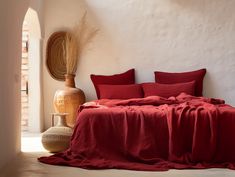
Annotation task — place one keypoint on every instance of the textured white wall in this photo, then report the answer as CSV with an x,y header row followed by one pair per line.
x,y
168,35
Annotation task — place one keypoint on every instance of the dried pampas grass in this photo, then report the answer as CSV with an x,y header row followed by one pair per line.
x,y
75,42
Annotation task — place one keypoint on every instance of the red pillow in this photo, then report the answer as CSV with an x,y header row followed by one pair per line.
x,y
168,90
120,91
127,77
172,78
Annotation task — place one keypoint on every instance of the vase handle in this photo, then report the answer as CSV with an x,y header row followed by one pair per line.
x,y
53,115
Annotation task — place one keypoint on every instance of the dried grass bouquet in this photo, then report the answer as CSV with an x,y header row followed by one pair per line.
x,y
75,42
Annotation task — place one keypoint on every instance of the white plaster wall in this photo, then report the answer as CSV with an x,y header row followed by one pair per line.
x,y
34,85
168,35
12,13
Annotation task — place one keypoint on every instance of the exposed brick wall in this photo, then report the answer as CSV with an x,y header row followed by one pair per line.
x,y
24,79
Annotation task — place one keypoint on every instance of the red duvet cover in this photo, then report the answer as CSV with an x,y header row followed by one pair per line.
x,y
152,133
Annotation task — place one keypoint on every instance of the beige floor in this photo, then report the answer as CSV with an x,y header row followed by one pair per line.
x,y
26,165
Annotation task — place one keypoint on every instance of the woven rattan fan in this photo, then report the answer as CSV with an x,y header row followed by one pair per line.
x,y
55,61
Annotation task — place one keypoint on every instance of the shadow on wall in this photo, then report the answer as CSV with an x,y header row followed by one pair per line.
x,y
209,84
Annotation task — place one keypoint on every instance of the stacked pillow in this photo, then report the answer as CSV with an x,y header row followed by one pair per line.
x,y
173,78
168,90
122,86
118,86
121,91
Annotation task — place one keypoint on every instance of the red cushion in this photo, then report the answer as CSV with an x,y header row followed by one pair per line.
x,y
168,90
127,77
172,78
120,91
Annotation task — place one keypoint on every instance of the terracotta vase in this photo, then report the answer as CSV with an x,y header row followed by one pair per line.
x,y
57,138
69,99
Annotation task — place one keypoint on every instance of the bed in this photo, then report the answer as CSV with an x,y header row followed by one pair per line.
x,y
151,126
152,133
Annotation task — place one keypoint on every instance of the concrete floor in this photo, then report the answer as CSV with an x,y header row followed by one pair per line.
x,y
26,165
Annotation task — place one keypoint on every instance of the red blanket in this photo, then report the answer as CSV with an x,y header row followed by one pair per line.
x,y
152,133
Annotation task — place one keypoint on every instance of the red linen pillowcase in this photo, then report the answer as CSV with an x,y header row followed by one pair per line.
x,y
168,90
172,78
120,91
127,77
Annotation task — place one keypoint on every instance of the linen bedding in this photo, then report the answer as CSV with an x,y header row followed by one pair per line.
x,y
152,133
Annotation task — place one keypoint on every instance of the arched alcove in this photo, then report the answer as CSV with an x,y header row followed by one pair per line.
x,y
34,71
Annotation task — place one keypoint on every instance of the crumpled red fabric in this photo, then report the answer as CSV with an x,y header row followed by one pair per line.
x,y
152,133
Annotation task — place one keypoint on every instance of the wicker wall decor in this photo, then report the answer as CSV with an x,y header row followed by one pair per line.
x,y
55,60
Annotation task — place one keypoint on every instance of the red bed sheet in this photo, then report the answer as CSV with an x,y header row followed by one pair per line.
x,y
152,133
